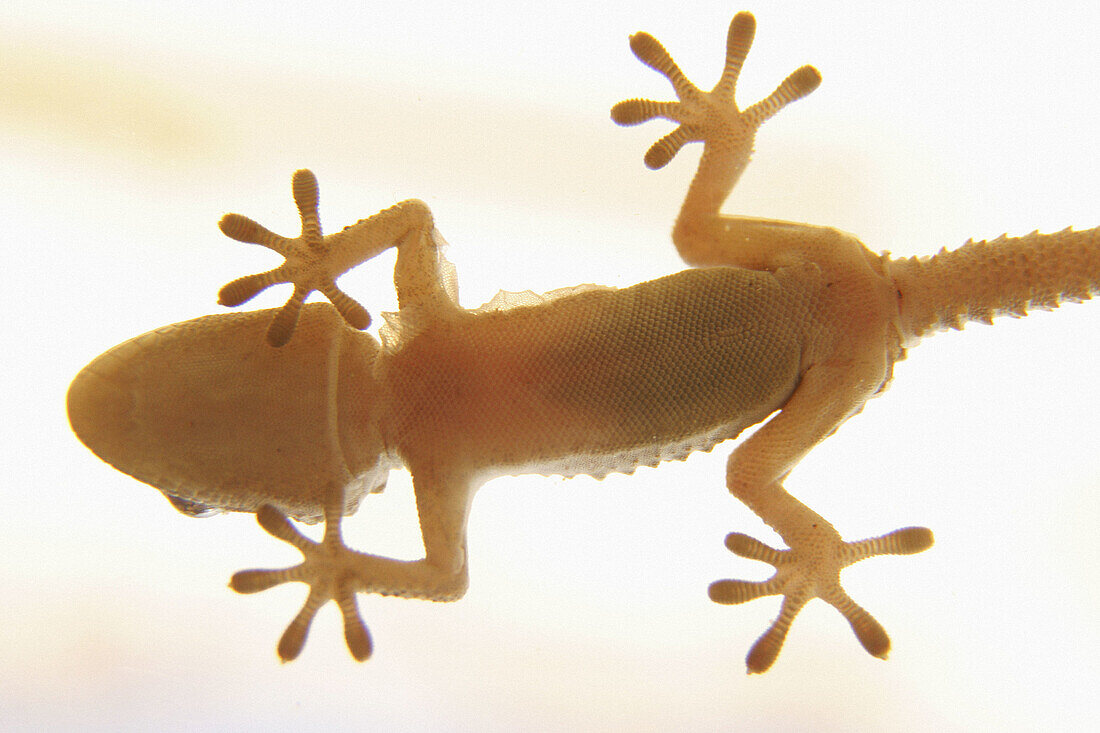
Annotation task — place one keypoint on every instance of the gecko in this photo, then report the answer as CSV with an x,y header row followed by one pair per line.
x,y
297,413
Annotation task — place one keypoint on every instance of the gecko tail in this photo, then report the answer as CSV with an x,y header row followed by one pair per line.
x,y
1006,276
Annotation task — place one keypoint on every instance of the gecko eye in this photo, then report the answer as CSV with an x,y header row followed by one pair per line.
x,y
192,508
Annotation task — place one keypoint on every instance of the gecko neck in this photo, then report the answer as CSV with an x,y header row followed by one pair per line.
x,y
1007,276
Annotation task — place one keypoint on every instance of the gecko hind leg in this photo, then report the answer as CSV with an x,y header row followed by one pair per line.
x,y
702,236
799,579
712,117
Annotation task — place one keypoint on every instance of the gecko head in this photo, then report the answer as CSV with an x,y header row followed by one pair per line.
x,y
215,418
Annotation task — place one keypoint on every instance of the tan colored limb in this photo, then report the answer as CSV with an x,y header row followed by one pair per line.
x,y
714,119
314,261
811,567
321,570
799,579
335,572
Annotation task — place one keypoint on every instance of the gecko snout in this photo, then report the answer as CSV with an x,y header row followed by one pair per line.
x,y
100,405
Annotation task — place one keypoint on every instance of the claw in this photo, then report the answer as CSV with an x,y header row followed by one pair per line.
x,y
356,633
283,324
797,85
636,111
355,314
654,55
245,230
738,42
733,592
294,638
255,581
904,541
753,549
276,524
248,287
869,632
303,186
764,652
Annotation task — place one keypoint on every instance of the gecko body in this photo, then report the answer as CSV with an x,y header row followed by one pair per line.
x,y
603,380
794,324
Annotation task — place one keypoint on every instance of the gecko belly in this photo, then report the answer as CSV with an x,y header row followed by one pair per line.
x,y
600,381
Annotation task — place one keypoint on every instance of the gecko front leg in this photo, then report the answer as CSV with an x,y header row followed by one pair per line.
x,y
323,569
426,292
335,572
314,261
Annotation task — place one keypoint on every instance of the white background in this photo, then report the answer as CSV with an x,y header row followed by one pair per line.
x,y
130,128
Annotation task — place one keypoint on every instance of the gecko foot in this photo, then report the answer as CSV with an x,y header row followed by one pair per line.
x,y
812,572
313,262
325,570
711,117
